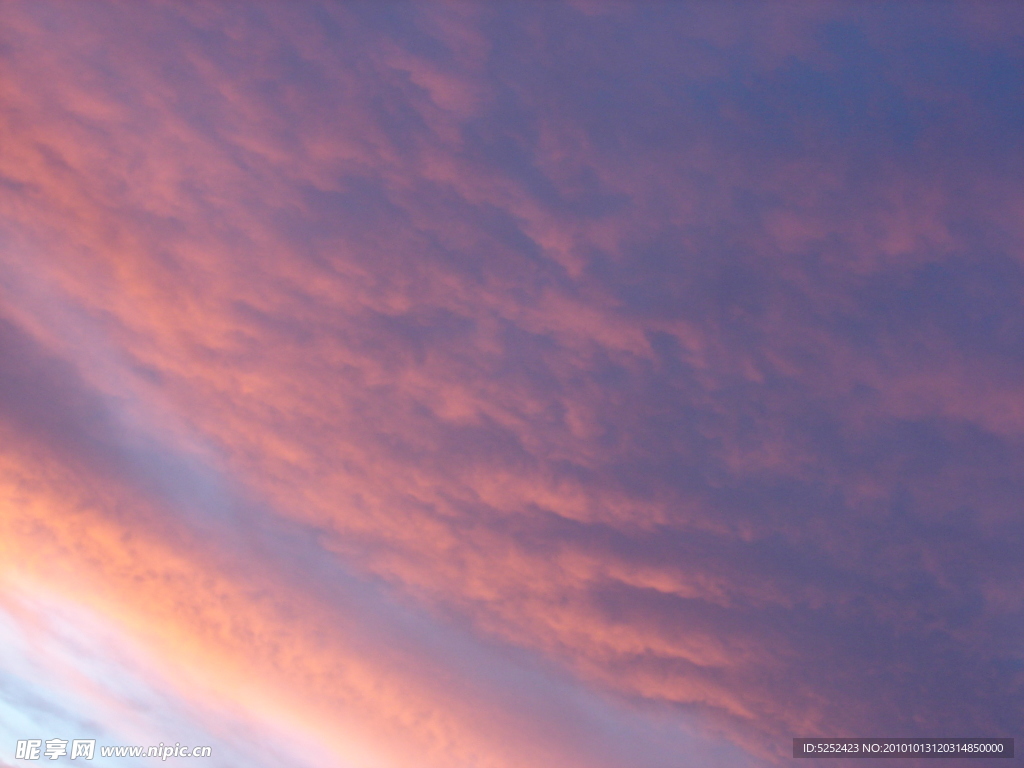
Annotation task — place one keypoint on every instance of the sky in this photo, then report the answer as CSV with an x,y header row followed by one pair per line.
x,y
512,384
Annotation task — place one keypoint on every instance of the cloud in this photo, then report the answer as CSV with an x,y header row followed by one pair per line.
x,y
98,528
459,371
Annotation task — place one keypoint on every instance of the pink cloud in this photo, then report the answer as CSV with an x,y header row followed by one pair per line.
x,y
671,350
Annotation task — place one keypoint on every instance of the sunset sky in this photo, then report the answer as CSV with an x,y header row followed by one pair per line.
x,y
518,384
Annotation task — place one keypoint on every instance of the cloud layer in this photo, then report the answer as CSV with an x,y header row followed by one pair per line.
x,y
581,384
